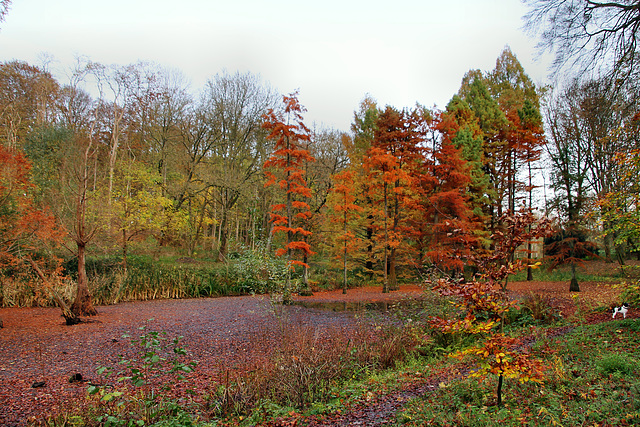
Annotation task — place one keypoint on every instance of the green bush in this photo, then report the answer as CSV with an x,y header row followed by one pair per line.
x,y
616,364
533,309
255,271
137,398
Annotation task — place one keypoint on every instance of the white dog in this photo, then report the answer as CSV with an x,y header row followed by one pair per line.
x,y
622,309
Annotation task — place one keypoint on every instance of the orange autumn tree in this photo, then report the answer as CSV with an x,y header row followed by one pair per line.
x,y
344,210
27,232
390,164
285,168
528,135
484,301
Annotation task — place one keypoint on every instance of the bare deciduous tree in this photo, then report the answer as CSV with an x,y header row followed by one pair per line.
x,y
4,9
234,106
587,34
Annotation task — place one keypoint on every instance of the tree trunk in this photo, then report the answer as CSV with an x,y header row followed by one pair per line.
x,y
269,237
529,243
621,253
306,289
574,286
608,242
344,256
82,305
223,237
385,285
69,317
124,251
369,262
286,298
393,277
499,391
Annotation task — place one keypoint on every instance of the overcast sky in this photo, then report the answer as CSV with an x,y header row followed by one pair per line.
x,y
334,51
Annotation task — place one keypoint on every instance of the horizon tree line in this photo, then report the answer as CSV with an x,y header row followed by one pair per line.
x,y
148,165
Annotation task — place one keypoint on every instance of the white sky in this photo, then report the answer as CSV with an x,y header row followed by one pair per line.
x,y
334,51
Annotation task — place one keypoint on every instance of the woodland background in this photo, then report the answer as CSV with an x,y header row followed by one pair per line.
x,y
126,165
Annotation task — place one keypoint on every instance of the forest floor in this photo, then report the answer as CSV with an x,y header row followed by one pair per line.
x,y
221,334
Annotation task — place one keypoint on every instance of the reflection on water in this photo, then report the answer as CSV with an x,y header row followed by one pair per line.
x,y
348,306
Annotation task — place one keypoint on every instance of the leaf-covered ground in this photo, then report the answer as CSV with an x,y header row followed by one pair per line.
x,y
221,334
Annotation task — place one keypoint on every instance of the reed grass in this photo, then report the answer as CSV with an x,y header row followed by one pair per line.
x,y
250,272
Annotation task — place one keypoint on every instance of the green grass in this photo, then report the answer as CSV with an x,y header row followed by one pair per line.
x,y
563,274
592,379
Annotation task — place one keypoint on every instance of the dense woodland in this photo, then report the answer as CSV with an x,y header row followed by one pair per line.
x,y
120,161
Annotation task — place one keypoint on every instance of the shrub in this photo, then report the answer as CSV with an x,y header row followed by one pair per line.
x,y
616,364
135,395
630,293
533,309
255,271
304,365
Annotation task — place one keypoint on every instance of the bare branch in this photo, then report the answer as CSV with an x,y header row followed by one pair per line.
x,y
587,36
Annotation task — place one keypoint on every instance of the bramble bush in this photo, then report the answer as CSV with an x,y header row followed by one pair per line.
x,y
136,398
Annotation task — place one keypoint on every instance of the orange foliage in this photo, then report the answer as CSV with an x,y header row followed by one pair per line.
x,y
449,235
391,165
24,227
286,168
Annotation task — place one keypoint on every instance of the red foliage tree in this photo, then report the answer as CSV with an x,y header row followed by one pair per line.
x,y
447,219
285,168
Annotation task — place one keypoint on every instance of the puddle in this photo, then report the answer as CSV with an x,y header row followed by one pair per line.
x,y
348,306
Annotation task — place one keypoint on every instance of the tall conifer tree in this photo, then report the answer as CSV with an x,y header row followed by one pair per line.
x,y
285,168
